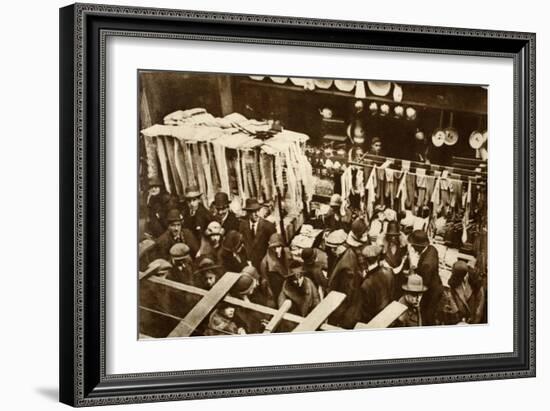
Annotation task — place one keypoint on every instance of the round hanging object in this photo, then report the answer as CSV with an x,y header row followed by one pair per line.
x,y
411,113
257,78
438,138
298,81
398,111
323,83
476,140
373,107
384,109
279,80
397,93
379,88
451,136
344,85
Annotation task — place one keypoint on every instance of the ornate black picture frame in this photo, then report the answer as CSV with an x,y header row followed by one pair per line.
x,y
83,31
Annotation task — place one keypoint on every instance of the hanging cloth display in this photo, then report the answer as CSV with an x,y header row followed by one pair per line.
x,y
161,152
370,189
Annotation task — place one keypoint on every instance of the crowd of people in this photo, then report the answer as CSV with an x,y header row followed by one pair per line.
x,y
372,261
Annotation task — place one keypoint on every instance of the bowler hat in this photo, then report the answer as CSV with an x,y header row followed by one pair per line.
x,y
221,200
419,238
232,241
244,285
415,284
393,228
173,215
308,255
207,264
358,235
295,267
192,192
252,204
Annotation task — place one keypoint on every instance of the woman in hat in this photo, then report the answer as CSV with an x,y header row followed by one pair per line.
x,y
223,321
299,289
207,273
414,291
315,268
467,294
211,240
158,204
274,266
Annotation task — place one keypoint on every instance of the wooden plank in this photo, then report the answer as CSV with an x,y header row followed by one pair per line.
x,y
385,317
276,319
235,301
320,313
199,312
144,336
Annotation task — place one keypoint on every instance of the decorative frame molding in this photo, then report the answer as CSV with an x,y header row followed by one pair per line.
x,y
83,32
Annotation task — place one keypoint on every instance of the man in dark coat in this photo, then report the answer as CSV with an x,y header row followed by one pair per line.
x,y
427,267
315,268
300,290
232,254
195,216
224,215
182,267
256,232
175,234
347,277
274,266
158,203
378,286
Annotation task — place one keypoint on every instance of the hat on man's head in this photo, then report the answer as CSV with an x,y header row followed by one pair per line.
x,y
335,200
358,235
371,251
460,268
221,200
415,284
419,238
275,241
336,238
393,228
232,241
308,255
173,215
252,204
244,285
295,267
213,228
192,192
160,266
207,264
179,251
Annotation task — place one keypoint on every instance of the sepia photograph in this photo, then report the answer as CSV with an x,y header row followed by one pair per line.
x,y
275,204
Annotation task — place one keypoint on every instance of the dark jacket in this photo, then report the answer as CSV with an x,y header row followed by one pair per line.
x,y
197,222
231,222
315,273
166,241
376,292
428,269
230,262
304,298
273,270
346,278
256,245
183,275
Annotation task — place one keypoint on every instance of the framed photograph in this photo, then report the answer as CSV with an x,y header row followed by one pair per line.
x,y
261,204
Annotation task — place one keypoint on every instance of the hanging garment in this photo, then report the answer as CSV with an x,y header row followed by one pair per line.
x,y
210,192
180,164
151,157
421,187
467,205
436,197
430,184
161,152
402,191
411,190
223,167
380,189
213,167
191,176
370,189
389,192
456,196
444,184
170,150
243,195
